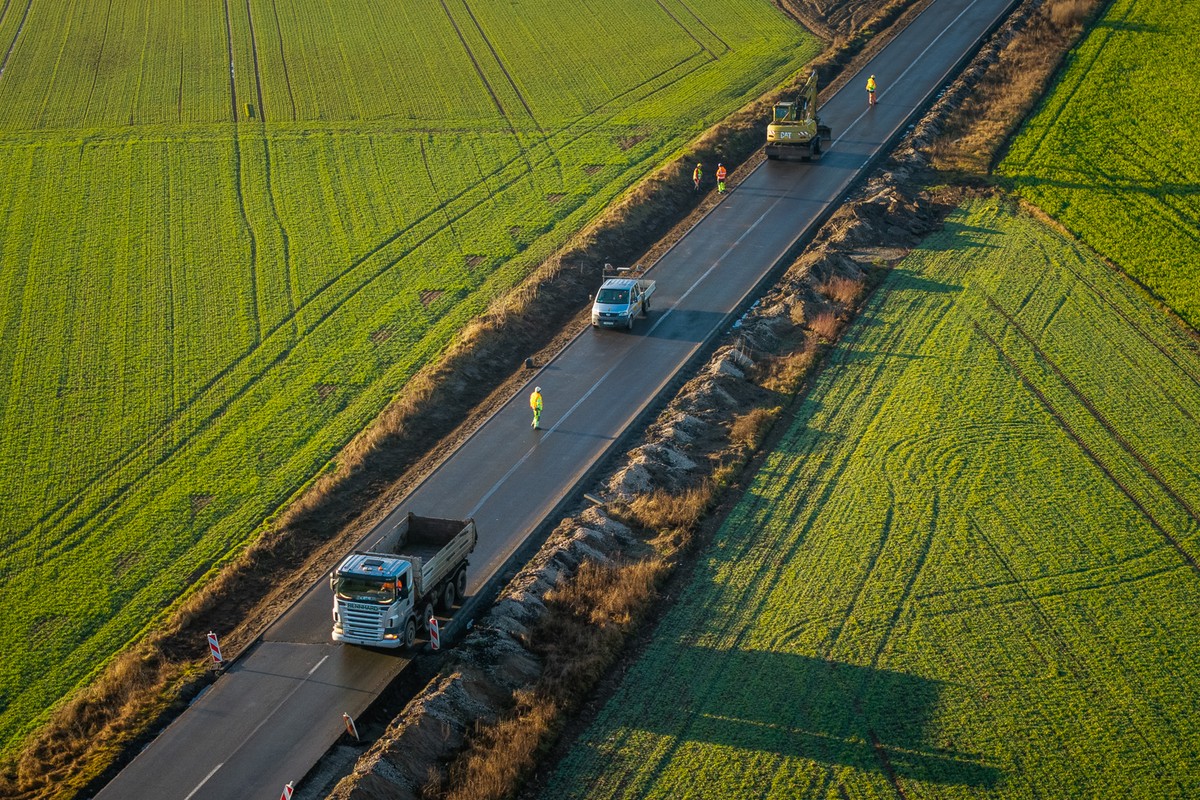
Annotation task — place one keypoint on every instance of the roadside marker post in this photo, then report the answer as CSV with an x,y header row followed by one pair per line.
x,y
287,791
351,728
434,638
214,647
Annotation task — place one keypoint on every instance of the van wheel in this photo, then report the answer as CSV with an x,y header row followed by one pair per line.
x,y
646,309
630,323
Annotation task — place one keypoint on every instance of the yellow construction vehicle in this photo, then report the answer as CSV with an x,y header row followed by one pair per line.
x,y
796,131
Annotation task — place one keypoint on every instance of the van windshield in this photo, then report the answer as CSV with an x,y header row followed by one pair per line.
x,y
360,589
613,297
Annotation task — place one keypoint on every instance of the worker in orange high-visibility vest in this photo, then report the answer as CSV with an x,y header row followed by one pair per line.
x,y
721,173
535,402
871,90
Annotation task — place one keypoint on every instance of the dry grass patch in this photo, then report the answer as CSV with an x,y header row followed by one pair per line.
x,y
825,325
784,374
842,289
661,510
749,429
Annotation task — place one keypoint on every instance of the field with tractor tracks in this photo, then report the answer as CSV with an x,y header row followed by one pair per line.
x,y
967,569
1113,151
230,232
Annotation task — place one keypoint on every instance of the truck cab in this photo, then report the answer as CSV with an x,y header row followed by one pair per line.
x,y
373,601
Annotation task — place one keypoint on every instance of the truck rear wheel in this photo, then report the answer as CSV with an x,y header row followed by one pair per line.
x,y
448,596
460,583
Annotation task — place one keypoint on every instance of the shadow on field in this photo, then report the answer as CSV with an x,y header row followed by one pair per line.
x,y
965,236
829,712
906,280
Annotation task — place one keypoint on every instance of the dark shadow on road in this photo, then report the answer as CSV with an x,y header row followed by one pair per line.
x,y
684,326
826,711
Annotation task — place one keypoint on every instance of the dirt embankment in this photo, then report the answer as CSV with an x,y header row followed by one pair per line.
x,y
476,731
94,733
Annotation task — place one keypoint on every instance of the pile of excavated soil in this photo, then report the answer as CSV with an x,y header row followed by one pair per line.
x,y
890,214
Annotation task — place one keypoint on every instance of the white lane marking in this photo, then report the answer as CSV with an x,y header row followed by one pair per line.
x,y
318,665
201,783
912,64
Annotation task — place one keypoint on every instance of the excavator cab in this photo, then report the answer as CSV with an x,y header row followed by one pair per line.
x,y
791,111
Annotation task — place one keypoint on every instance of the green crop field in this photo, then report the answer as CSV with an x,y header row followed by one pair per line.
x,y
1114,150
969,568
230,232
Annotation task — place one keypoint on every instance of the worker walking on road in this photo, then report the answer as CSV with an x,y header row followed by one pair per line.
x,y
535,402
871,90
721,178
696,177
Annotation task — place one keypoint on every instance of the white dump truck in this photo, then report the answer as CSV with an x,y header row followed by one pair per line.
x,y
383,596
620,300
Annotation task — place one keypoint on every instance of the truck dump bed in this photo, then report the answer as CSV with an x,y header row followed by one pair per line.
x,y
435,547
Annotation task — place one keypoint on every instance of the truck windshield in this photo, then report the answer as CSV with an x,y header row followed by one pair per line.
x,y
358,589
613,297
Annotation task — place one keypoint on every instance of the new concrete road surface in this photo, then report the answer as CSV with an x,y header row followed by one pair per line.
x,y
279,708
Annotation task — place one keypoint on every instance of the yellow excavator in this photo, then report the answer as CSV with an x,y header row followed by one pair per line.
x,y
796,131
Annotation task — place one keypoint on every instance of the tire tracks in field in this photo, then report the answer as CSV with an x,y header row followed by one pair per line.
x,y
1096,414
238,179
1184,367
1087,451
287,77
516,90
488,86
16,34
1080,673
703,47
703,24
290,278
99,58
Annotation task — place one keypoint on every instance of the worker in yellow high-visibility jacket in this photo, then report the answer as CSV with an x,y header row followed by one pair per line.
x,y
696,177
721,173
535,402
871,90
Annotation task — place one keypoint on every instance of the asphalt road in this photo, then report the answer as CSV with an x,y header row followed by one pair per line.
x,y
278,709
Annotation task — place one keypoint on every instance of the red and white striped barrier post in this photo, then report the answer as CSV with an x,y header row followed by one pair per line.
x,y
351,728
434,639
287,791
214,648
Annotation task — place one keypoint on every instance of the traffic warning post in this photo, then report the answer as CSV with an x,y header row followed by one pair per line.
x,y
351,728
287,791
214,647
434,638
